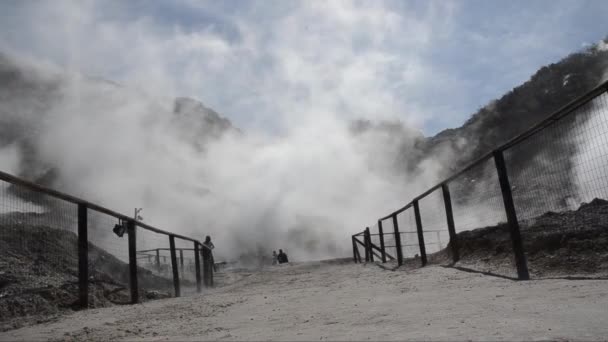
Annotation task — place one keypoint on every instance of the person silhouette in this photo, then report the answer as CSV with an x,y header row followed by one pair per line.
x,y
282,257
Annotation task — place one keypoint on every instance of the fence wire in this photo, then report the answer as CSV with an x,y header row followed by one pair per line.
x,y
38,252
409,236
433,218
155,280
108,257
555,174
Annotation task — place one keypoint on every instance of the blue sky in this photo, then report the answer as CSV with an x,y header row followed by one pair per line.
x,y
266,64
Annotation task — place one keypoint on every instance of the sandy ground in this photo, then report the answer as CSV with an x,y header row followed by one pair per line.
x,y
333,301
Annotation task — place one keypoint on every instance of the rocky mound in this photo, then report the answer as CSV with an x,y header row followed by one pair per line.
x,y
39,273
569,243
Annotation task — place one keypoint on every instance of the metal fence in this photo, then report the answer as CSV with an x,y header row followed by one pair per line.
x,y
49,239
525,194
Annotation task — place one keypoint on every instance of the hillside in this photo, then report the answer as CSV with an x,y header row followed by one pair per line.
x,y
548,89
39,272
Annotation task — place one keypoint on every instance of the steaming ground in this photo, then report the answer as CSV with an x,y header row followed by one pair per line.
x,y
340,300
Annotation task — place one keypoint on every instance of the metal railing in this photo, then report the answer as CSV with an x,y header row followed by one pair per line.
x,y
483,185
82,230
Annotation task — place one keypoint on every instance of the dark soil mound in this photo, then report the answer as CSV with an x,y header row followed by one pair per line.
x,y
569,243
39,273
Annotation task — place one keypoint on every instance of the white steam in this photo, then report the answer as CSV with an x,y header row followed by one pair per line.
x,y
304,182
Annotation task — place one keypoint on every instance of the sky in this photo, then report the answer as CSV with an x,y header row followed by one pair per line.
x,y
266,64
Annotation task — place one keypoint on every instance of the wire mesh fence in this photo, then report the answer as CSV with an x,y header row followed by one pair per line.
x,y
539,197
554,172
480,218
38,250
433,219
108,261
154,258
408,234
58,251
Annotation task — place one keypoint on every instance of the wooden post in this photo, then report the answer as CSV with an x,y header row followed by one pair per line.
x,y
397,240
382,248
368,244
131,231
354,249
197,266
507,197
447,201
174,266
83,257
357,243
420,233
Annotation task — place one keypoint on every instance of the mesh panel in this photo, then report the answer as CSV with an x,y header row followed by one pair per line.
x,y
552,173
389,238
433,217
477,202
38,251
186,265
476,198
108,259
409,236
155,274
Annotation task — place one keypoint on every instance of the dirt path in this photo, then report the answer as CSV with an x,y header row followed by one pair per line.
x,y
319,301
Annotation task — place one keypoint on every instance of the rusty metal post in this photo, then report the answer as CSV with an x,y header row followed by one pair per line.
x,y
507,197
131,232
368,244
420,233
354,249
397,240
83,257
382,248
174,266
447,201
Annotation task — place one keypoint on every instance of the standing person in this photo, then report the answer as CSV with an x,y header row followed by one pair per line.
x,y
208,261
282,257
275,258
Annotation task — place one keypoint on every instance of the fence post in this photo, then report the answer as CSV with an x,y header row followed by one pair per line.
x,y
83,257
447,201
420,233
354,248
368,244
131,232
397,240
382,248
197,266
365,246
507,197
174,266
